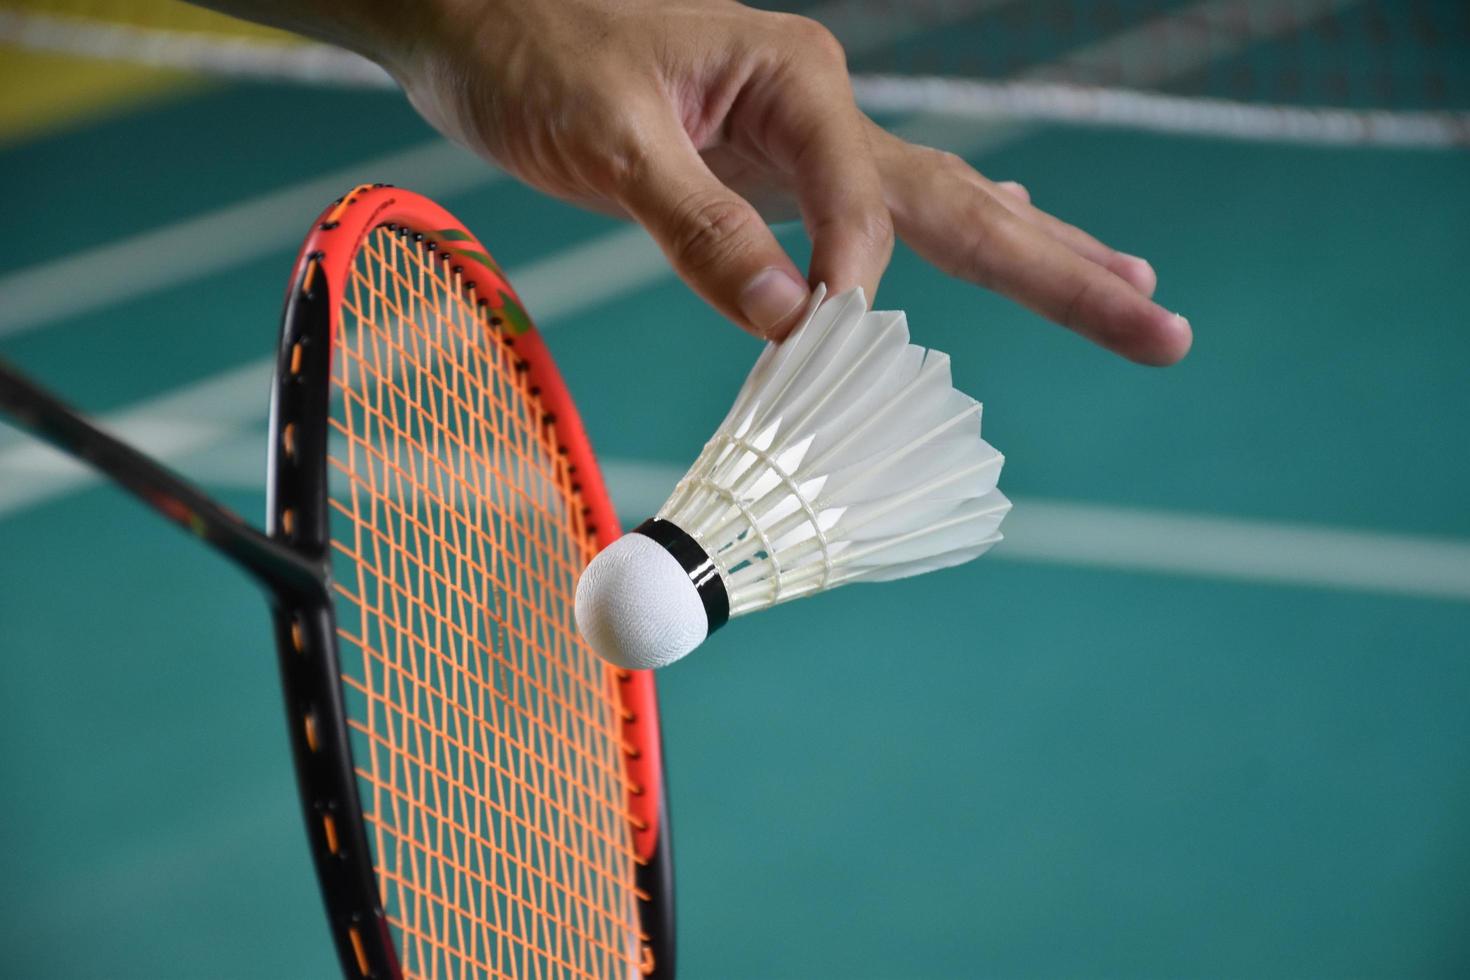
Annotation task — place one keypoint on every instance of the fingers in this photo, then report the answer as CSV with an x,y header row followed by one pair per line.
x,y
714,239
1130,268
977,236
809,123
1016,190
991,235
1000,251
842,205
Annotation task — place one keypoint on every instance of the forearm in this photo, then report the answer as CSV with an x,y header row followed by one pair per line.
x,y
383,30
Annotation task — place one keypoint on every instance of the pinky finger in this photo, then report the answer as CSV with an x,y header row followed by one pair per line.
x,y
1002,252
1015,189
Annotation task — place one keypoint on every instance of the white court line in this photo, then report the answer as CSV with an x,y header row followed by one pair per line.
x,y
1070,533
1094,535
32,472
1091,535
212,410
227,238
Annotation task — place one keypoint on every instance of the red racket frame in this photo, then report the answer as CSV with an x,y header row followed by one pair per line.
x,y
297,516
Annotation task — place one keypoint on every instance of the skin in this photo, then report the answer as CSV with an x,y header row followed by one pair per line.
x,y
703,120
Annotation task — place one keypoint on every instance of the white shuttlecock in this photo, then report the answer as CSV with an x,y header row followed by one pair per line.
x,y
848,456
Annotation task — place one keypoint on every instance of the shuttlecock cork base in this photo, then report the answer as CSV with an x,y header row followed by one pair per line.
x,y
848,456
650,597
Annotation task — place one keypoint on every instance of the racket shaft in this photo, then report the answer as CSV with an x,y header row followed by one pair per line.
x,y
48,418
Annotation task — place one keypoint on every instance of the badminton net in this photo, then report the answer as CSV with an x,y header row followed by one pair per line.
x,y
1369,72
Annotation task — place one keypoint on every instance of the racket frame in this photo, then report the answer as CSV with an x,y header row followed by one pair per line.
x,y
292,560
305,620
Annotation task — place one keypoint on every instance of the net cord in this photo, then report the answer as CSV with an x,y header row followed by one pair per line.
x,y
963,98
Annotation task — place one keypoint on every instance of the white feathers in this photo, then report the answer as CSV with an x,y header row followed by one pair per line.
x,y
848,456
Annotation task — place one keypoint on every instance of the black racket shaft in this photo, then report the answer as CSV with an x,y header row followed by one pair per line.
x,y
49,418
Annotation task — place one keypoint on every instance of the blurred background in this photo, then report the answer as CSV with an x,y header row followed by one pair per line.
x,y
1202,714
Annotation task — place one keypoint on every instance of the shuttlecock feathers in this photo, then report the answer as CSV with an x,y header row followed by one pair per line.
x,y
847,456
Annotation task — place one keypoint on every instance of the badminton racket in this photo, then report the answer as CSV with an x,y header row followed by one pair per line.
x,y
483,796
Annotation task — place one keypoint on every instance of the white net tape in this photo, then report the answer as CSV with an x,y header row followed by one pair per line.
x,y
1017,101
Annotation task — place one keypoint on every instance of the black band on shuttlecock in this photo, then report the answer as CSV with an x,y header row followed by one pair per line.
x,y
692,558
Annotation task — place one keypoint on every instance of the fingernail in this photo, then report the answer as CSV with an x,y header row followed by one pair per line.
x,y
1142,277
770,297
1184,336
1016,188
1166,344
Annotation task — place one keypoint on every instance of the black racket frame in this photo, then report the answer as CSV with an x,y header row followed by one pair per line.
x,y
292,563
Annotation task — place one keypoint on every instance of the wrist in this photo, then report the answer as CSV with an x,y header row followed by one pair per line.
x,y
391,33
388,32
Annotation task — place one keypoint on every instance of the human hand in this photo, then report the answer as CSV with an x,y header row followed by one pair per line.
x,y
704,119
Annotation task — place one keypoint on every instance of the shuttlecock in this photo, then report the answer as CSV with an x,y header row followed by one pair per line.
x,y
848,456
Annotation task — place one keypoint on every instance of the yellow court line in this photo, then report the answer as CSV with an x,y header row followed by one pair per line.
x,y
42,93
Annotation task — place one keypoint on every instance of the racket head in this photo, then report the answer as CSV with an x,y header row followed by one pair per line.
x,y
481,792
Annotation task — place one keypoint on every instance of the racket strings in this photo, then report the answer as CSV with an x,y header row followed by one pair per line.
x,y
406,482
517,823
459,590
466,716
487,736
490,402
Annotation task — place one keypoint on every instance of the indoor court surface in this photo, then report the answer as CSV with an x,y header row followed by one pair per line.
x,y
1203,713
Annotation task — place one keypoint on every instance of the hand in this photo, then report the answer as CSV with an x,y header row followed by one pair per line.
x,y
704,119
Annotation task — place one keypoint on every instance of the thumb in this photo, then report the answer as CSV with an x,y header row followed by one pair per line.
x,y
716,241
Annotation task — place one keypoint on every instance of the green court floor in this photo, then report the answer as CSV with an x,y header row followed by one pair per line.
x,y
1203,714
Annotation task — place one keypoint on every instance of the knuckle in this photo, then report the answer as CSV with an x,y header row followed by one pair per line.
x,y
880,227
1077,304
944,162
970,262
871,230
620,171
709,229
973,263
990,236
816,41
1018,188
620,162
874,230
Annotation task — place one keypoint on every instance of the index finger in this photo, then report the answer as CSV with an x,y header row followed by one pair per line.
x,y
813,126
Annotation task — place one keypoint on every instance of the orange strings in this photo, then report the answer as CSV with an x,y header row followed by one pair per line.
x,y
487,736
